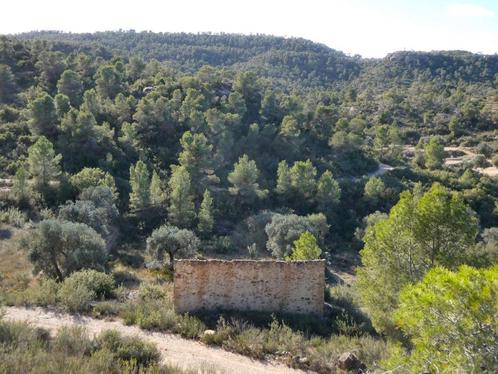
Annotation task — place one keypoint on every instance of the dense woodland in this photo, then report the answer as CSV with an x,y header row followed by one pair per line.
x,y
258,146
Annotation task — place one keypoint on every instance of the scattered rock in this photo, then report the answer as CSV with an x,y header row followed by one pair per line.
x,y
209,332
350,363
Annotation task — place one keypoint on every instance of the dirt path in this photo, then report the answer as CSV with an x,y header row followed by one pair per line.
x,y
186,354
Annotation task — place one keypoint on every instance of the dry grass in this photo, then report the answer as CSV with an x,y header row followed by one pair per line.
x,y
15,268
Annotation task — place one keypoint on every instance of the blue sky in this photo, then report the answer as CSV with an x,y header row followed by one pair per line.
x,y
366,27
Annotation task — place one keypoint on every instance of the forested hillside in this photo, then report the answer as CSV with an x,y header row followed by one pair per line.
x,y
178,145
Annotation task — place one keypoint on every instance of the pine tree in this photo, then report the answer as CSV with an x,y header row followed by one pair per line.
x,y
305,248
140,186
206,218
181,211
43,163
20,187
157,195
244,179
303,175
196,157
328,191
283,178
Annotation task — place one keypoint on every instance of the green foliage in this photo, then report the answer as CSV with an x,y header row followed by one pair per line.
x,y
140,186
14,217
60,248
197,159
206,214
43,163
181,205
244,180
101,284
42,116
93,177
174,241
75,297
434,154
284,230
328,192
8,85
127,348
375,190
420,232
20,186
70,85
305,248
157,195
95,208
29,349
303,178
450,318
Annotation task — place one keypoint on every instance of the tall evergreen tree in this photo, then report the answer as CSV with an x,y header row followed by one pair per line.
x,y
206,216
181,211
42,116
157,195
20,186
284,183
70,85
140,186
328,191
43,163
244,180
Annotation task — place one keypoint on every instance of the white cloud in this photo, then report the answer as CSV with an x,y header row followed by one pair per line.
x,y
469,10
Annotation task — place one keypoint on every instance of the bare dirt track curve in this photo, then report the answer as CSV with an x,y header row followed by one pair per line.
x,y
183,353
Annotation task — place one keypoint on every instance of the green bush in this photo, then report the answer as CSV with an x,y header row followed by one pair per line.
x,y
190,326
101,284
14,217
18,335
152,310
106,309
24,349
148,292
249,342
72,341
281,338
74,296
127,348
44,293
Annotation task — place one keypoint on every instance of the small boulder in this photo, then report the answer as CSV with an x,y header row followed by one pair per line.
x,y
209,333
348,362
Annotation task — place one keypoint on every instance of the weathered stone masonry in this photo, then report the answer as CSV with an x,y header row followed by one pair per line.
x,y
266,285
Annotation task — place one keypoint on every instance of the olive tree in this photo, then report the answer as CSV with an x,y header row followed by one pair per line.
x,y
59,248
174,241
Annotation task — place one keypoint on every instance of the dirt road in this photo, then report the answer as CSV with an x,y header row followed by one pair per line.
x,y
186,354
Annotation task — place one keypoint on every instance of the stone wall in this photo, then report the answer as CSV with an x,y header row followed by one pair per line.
x,y
249,285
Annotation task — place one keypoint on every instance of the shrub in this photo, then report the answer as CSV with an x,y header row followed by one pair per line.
x,y
281,338
44,293
101,284
72,341
324,354
190,326
128,348
17,335
14,217
106,309
495,160
249,342
153,309
74,296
